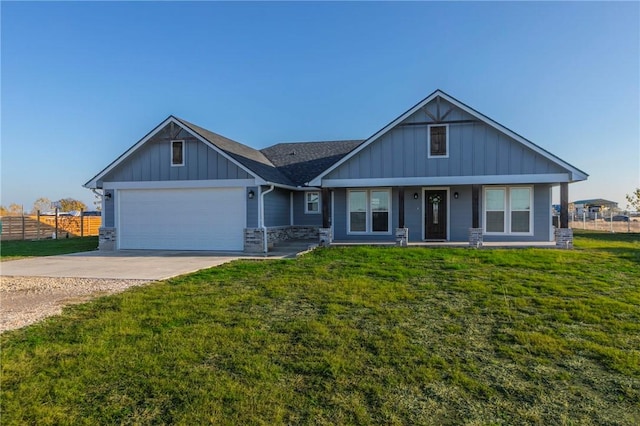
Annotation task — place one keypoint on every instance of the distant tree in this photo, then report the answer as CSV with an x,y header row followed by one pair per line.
x,y
43,204
3,211
634,199
69,204
15,209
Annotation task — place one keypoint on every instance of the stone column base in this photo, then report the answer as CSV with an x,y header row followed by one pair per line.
x,y
253,240
475,237
564,238
402,237
107,239
325,237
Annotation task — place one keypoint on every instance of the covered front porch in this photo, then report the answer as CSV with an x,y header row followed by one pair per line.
x,y
453,215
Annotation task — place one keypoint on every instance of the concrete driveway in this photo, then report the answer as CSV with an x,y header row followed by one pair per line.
x,y
123,264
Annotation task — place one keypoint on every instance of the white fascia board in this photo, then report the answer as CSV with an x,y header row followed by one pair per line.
x,y
579,174
179,184
446,180
317,181
218,150
292,188
171,119
94,181
576,174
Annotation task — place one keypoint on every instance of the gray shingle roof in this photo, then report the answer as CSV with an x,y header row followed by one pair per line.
x,y
249,157
292,163
302,161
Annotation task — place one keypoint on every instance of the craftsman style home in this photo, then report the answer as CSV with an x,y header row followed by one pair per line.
x,y
441,171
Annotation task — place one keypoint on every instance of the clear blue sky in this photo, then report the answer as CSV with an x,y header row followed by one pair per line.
x,y
83,81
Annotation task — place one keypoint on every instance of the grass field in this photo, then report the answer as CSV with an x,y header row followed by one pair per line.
x,y
11,250
355,335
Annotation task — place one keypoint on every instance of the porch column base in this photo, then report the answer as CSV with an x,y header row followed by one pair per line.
x,y
107,239
564,238
475,237
402,237
253,240
325,237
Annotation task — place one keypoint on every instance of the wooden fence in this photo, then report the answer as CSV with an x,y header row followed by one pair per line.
x,y
30,228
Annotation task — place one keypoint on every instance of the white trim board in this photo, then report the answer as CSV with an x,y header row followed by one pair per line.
x,y
447,180
92,183
173,184
574,174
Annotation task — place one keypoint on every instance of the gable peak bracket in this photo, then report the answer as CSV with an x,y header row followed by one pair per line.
x,y
439,117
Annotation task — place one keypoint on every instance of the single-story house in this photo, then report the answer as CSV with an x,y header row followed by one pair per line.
x,y
441,171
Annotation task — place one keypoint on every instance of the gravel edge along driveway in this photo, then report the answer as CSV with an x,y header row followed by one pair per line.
x,y
26,300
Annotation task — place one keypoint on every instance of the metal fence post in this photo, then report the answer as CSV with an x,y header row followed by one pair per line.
x,y
38,225
56,223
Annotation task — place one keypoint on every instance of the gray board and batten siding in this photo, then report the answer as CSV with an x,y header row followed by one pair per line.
x,y
475,149
459,216
277,211
299,215
152,162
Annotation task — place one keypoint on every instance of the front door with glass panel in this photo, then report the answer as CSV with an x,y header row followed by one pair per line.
x,y
435,204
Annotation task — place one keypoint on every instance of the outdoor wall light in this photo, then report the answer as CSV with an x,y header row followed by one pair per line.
x,y
107,195
455,195
415,195
251,194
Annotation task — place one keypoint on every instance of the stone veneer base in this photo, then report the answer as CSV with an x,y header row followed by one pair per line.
x,y
476,238
107,239
254,237
564,238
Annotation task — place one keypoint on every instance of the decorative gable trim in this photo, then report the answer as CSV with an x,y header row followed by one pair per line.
x,y
575,174
93,183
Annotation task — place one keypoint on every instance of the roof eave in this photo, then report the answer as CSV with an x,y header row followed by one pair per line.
x,y
573,171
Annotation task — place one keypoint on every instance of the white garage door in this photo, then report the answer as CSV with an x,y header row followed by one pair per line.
x,y
181,219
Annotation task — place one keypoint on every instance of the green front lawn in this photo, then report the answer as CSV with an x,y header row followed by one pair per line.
x,y
355,335
11,250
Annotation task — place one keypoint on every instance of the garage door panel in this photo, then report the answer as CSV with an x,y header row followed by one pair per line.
x,y
181,219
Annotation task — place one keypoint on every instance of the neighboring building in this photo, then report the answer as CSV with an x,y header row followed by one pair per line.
x,y
441,171
593,208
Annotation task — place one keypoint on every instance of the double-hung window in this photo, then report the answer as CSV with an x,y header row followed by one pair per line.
x,y
312,202
507,210
369,211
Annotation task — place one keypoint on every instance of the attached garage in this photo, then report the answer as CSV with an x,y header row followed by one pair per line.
x,y
181,219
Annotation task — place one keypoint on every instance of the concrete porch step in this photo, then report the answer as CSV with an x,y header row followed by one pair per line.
x,y
287,247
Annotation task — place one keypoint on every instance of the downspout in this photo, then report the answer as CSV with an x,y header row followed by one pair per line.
x,y
101,204
263,226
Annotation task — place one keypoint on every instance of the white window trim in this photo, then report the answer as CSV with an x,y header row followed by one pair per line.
x,y
507,210
171,152
368,221
306,202
446,126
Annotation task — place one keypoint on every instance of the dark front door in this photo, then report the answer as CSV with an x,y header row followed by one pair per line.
x,y
435,217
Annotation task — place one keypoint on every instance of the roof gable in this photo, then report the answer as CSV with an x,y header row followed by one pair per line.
x,y
439,107
248,159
